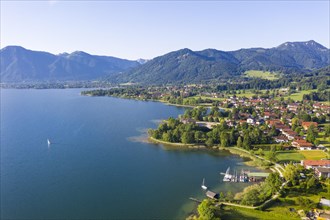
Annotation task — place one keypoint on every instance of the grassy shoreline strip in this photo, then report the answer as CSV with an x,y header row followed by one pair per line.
x,y
154,140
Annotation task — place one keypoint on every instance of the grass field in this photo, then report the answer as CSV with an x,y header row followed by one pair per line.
x,y
298,96
247,94
242,213
313,154
261,74
286,156
297,156
323,140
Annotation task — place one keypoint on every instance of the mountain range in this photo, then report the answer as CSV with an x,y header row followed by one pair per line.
x,y
185,65
21,65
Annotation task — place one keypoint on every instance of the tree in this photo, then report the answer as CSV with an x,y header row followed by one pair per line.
x,y
311,134
172,123
221,196
209,142
306,117
274,182
232,137
246,142
327,131
295,123
207,211
239,142
271,155
198,136
167,136
229,196
187,137
291,173
251,197
224,139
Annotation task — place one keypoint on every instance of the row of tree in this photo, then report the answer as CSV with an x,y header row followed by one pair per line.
x,y
244,136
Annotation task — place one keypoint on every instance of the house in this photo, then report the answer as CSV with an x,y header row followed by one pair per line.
x,y
281,139
321,147
268,115
188,120
293,107
307,124
315,163
273,122
260,122
250,121
323,171
212,195
289,133
302,144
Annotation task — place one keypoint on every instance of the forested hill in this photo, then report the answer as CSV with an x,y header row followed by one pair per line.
x,y
197,66
19,64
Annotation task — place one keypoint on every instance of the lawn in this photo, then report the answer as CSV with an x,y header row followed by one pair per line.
x,y
261,74
298,96
230,212
297,156
313,154
323,139
247,94
287,156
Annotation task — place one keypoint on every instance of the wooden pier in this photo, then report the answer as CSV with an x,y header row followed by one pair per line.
x,y
195,200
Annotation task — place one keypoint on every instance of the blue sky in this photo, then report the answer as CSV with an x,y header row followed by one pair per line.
x,y
146,29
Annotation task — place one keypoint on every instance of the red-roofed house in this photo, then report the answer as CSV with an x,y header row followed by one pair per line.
x,y
302,144
307,124
315,163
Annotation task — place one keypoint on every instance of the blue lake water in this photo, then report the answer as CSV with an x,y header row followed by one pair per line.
x,y
94,168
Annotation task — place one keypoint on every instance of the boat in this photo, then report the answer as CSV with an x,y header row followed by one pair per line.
x,y
203,185
228,176
48,142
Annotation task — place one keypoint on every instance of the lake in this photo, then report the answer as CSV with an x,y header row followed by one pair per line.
x,y
95,168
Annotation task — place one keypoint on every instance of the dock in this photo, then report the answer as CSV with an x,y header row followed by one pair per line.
x,y
243,176
195,200
258,174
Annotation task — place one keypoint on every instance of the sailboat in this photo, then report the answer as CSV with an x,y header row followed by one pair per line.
x,y
203,185
227,176
48,142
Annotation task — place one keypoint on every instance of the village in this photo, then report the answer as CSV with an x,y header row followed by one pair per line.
x,y
286,135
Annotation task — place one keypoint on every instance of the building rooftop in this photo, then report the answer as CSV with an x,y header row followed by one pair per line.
x,y
316,162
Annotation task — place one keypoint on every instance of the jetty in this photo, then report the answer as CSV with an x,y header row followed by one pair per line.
x,y
195,200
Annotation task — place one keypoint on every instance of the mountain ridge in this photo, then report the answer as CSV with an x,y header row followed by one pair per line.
x,y
19,64
182,66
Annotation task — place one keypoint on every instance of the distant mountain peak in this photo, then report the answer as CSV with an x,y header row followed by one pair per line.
x,y
79,53
142,61
308,44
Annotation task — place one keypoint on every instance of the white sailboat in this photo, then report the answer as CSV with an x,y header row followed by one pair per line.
x,y
227,176
203,185
48,142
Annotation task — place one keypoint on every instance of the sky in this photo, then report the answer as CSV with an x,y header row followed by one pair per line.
x,y
146,29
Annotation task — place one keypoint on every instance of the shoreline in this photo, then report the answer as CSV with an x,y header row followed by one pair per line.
x,y
156,100
253,160
191,146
